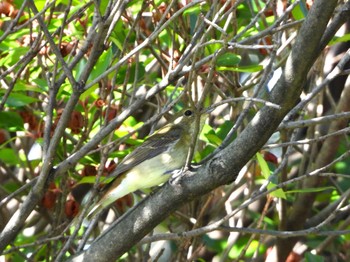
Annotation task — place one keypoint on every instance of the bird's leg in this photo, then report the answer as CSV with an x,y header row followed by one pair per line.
x,y
177,175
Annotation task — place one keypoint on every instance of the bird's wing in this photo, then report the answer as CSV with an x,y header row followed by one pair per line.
x,y
153,146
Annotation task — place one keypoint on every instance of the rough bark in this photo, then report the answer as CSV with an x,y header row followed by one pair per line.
x,y
224,167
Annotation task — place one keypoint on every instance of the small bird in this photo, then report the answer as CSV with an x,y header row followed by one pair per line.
x,y
153,162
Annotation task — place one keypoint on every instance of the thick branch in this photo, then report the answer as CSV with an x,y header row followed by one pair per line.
x,y
224,167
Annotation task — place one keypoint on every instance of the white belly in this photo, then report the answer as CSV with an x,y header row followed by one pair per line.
x,y
150,173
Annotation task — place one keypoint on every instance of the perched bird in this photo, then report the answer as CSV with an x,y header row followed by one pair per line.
x,y
152,163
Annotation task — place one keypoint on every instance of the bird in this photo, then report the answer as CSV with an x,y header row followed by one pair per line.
x,y
154,161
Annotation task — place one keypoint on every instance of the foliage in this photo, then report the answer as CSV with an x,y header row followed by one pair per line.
x,y
85,82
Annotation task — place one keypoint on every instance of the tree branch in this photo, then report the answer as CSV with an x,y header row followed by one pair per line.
x,y
224,167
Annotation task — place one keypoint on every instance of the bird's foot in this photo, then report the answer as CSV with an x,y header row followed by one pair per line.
x,y
177,175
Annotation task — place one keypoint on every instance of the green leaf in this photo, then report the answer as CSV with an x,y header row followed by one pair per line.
x,y
134,142
342,167
40,4
197,9
11,120
119,35
200,155
90,94
341,39
132,122
309,257
212,48
8,156
310,190
13,55
10,187
228,60
92,180
120,153
213,139
278,192
206,129
18,100
79,68
102,64
224,129
87,180
241,244
242,69
22,86
265,170
103,6
131,70
135,6
300,11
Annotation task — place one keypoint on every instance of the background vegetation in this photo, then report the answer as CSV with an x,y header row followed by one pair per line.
x,y
84,82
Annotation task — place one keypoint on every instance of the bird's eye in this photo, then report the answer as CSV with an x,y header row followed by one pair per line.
x,y
188,113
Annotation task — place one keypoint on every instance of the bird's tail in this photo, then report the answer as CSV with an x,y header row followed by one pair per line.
x,y
92,213
116,191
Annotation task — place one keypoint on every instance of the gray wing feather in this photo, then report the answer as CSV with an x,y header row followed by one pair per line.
x,y
153,146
